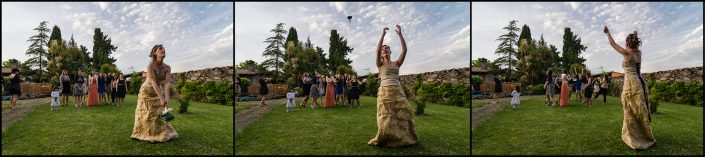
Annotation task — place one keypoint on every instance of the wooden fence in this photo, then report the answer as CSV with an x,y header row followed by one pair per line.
x,y
274,89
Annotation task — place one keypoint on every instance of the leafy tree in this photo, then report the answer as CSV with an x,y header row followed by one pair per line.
x,y
273,51
102,48
338,50
36,50
572,48
292,36
506,50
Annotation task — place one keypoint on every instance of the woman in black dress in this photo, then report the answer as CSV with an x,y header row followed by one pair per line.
x,y
307,89
354,93
121,90
263,90
497,88
15,80
65,88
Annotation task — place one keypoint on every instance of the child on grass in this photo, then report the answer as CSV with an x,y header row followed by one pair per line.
x,y
55,98
515,97
290,100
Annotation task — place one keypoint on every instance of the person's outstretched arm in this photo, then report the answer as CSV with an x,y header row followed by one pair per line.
x,y
614,44
403,47
379,47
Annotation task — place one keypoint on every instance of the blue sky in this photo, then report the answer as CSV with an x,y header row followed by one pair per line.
x,y
195,35
437,34
671,33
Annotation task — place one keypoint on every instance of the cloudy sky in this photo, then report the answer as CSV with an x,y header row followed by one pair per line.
x,y
671,33
437,34
195,35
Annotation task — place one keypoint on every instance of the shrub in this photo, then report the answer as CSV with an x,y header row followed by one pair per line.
x,y
5,85
421,98
245,84
212,92
446,93
476,81
654,105
135,84
459,95
684,93
185,99
420,106
372,86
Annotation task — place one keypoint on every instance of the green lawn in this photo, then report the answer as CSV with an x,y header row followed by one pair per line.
x,y
535,129
106,130
340,131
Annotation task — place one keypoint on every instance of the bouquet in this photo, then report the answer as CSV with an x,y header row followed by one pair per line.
x,y
166,115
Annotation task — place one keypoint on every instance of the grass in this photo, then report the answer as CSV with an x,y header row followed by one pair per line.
x,y
340,131
106,130
535,129
244,105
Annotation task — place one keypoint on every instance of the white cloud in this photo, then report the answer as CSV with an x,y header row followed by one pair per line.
x,y
424,35
665,37
464,31
134,28
574,5
102,5
340,6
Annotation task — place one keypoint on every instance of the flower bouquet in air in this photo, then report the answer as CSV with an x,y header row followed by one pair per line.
x,y
166,115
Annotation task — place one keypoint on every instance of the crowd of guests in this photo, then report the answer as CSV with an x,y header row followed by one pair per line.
x,y
333,89
585,86
99,87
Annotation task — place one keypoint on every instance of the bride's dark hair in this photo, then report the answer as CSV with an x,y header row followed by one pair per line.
x,y
633,41
154,50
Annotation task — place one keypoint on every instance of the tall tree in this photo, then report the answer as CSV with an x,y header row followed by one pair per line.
x,y
537,59
322,63
525,34
85,59
37,51
72,42
102,48
572,48
55,35
555,54
292,36
337,51
274,52
542,42
302,60
308,43
506,49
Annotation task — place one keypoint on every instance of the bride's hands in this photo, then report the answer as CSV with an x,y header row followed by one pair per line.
x,y
398,30
384,31
162,102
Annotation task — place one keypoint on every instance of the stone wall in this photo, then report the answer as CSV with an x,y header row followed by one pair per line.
x,y
217,74
693,74
459,75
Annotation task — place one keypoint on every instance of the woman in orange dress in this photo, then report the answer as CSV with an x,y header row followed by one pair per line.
x,y
564,89
93,90
330,92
